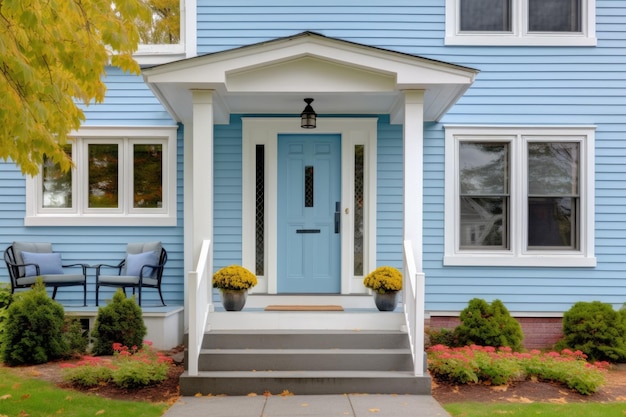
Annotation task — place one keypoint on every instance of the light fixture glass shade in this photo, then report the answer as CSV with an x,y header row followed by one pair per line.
x,y
308,116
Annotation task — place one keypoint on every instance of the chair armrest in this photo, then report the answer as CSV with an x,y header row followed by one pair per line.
x,y
83,266
152,267
118,267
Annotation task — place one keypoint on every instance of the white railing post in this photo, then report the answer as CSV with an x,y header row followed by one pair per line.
x,y
200,305
414,288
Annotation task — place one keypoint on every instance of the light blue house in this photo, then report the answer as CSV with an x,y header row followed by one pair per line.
x,y
478,145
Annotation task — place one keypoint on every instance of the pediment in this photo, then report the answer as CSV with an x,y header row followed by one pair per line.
x,y
274,77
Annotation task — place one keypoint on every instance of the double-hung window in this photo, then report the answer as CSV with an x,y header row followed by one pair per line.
x,y
519,196
520,22
121,176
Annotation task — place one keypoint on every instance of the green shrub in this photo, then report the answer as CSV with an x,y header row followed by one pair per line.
x,y
487,324
446,337
596,329
118,322
128,368
89,372
75,337
5,300
33,330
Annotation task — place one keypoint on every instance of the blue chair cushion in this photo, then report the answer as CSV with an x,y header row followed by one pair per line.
x,y
134,262
49,263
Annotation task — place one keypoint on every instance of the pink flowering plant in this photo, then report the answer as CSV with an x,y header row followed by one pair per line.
x,y
501,366
128,367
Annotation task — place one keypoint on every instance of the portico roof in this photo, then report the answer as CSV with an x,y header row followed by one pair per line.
x,y
274,77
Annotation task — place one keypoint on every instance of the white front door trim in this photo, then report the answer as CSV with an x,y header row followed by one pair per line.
x,y
265,131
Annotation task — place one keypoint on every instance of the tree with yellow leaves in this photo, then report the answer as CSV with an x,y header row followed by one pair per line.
x,y
53,55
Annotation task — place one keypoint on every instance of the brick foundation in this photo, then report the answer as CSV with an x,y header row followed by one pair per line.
x,y
539,332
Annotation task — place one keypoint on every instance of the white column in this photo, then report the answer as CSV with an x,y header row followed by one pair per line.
x,y
202,160
413,218
414,171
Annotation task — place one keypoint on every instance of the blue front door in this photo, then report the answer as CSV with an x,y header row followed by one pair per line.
x,y
309,191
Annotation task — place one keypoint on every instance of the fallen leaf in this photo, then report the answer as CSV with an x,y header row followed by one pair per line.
x,y
198,394
100,412
267,394
252,394
374,410
3,415
25,396
620,398
499,388
286,393
5,397
523,400
23,414
304,405
558,400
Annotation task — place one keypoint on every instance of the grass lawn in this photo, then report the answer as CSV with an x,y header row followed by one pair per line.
x,y
35,398
591,409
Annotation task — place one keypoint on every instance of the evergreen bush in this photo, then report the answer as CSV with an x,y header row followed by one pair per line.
x,y
5,300
75,336
487,324
596,329
120,321
33,331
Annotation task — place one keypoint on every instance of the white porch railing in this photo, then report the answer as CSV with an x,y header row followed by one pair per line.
x,y
200,305
413,292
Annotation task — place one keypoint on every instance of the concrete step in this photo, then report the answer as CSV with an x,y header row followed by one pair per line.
x,y
305,359
305,362
304,339
355,320
304,383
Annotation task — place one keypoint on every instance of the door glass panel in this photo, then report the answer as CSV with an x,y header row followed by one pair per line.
x,y
57,185
308,186
260,210
148,176
359,196
103,174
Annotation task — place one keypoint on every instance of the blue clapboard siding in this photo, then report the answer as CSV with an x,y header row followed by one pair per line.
x,y
227,234
128,101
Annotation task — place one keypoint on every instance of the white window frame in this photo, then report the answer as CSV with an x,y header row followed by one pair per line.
x,y
519,34
156,54
125,214
517,254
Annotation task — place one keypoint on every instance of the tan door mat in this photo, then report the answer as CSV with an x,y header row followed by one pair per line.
x,y
304,308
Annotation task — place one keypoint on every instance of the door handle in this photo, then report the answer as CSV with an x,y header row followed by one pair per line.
x,y
337,216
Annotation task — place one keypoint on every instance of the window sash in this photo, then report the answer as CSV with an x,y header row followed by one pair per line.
x,y
57,187
485,15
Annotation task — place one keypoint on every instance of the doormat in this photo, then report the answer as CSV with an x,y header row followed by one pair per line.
x,y
303,308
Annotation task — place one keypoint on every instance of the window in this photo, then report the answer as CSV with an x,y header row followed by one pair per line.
x,y
171,34
519,196
121,176
520,22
